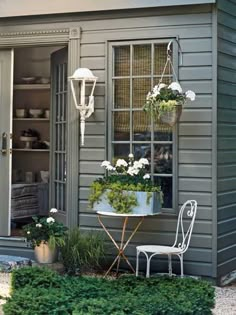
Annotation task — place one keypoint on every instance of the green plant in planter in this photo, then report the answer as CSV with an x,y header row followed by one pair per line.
x,y
120,183
47,230
165,99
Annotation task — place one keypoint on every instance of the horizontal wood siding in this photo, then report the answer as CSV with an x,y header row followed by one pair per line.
x,y
226,156
194,30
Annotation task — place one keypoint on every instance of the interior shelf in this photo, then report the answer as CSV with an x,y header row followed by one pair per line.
x,y
32,86
32,119
31,150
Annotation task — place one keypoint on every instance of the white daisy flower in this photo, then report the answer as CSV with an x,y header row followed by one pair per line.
x,y
131,156
146,176
28,232
175,86
39,225
110,168
190,95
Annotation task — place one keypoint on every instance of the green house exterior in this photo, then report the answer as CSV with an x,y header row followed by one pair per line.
x,y
205,167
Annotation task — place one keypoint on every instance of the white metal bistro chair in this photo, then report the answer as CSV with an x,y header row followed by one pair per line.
x,y
181,244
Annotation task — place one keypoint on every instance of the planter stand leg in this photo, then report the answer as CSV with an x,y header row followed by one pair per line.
x,y
122,245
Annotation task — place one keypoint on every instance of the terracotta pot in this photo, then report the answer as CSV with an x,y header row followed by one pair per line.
x,y
45,255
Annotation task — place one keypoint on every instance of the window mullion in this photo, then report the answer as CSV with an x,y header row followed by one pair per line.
x,y
131,99
152,120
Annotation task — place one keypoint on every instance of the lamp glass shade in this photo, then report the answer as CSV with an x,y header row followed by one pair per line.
x,y
83,73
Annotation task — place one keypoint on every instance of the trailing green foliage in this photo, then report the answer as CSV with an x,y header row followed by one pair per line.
x,y
39,292
82,250
118,188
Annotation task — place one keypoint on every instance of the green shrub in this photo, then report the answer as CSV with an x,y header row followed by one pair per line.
x,y
43,292
82,251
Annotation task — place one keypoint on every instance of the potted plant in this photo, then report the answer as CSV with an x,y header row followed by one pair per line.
x,y
165,103
126,188
46,236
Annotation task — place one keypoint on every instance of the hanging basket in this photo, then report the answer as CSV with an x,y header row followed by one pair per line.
x,y
172,117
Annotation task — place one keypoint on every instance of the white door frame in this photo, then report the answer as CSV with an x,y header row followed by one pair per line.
x,y
71,38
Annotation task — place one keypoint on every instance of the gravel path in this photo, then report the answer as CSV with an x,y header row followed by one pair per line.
x,y
225,297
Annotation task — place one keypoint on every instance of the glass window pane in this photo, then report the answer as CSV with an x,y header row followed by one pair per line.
x,y
121,123
141,87
160,59
159,135
122,93
142,60
141,126
121,151
163,158
166,187
142,150
122,61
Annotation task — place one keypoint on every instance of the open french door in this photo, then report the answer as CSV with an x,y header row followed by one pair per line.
x,y
6,97
58,187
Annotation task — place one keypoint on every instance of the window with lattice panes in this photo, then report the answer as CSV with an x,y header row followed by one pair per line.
x,y
134,69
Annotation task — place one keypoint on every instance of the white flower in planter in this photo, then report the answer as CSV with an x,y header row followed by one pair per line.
x,y
132,170
39,225
105,164
50,220
110,168
146,176
131,156
190,95
175,86
53,210
121,163
144,161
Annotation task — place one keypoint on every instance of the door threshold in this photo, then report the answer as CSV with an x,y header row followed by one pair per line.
x,y
13,241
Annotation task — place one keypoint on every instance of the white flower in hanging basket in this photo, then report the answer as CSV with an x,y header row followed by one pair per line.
x,y
167,101
175,86
190,95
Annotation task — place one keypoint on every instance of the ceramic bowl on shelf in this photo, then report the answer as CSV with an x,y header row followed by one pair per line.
x,y
45,80
28,80
36,113
47,113
21,113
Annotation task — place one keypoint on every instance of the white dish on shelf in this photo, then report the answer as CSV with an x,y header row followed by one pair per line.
x,y
45,80
28,80
36,113
21,113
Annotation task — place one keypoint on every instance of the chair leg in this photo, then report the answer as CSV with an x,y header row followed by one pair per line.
x,y
137,263
148,267
170,265
181,265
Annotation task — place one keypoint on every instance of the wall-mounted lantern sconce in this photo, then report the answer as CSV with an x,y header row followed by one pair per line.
x,y
83,79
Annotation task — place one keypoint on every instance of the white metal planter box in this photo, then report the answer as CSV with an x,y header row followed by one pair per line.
x,y
146,204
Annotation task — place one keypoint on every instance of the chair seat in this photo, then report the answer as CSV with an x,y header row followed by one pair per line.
x,y
159,249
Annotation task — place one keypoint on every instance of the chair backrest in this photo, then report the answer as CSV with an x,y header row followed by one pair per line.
x,y
183,236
